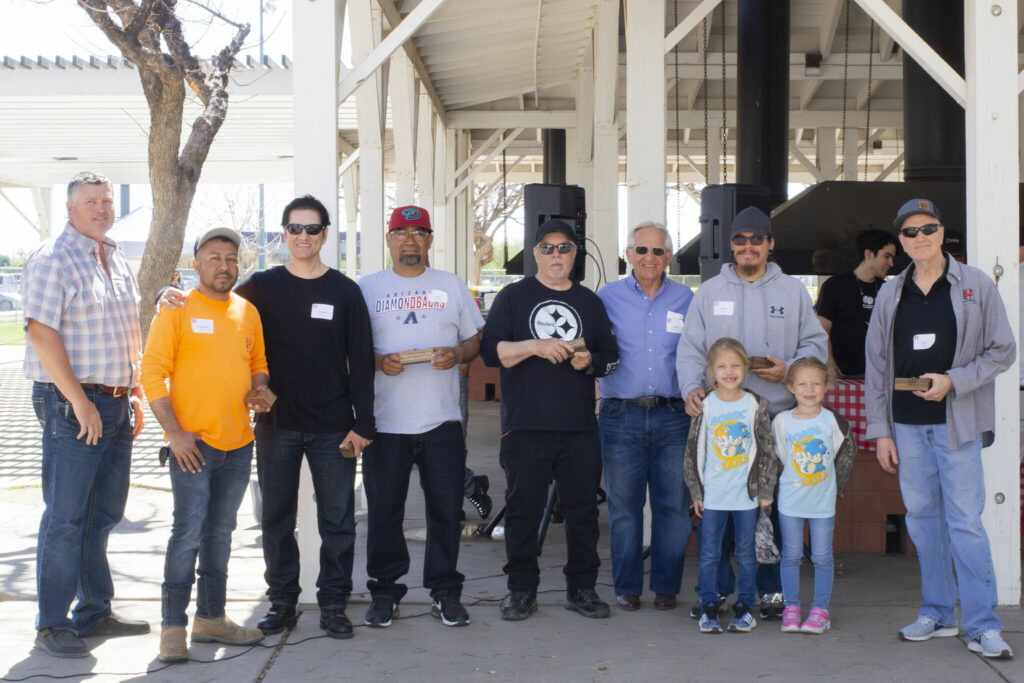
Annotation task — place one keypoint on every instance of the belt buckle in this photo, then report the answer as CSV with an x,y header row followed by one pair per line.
x,y
118,392
647,401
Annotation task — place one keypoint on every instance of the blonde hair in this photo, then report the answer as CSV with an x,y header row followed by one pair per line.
x,y
809,363
725,345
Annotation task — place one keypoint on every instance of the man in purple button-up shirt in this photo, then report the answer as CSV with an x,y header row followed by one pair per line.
x,y
643,422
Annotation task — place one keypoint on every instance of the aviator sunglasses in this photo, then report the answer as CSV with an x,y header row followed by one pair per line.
x,y
911,233
313,229
657,251
563,248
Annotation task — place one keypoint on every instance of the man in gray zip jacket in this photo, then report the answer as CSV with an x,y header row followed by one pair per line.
x,y
941,321
772,315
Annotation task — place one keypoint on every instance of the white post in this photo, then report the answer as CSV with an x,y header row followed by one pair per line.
x,y
463,212
714,155
444,231
825,158
645,123
350,183
850,154
992,220
425,155
605,217
365,33
404,87
42,198
317,45
441,165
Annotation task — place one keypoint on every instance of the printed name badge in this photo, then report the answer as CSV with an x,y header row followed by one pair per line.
x,y
202,326
724,307
437,296
322,311
673,322
924,341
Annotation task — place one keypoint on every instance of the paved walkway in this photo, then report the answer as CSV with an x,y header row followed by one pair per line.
x,y
874,596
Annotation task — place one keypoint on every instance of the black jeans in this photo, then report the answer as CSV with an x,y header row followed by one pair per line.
x,y
440,457
279,460
530,460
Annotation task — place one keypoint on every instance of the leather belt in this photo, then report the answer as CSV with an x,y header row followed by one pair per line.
x,y
116,392
652,401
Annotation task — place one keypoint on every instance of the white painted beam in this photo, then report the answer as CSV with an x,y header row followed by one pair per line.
x,y
990,53
471,159
805,162
807,92
585,109
645,125
350,184
604,221
482,165
825,153
404,91
689,23
511,118
862,94
887,171
393,19
41,197
830,24
425,154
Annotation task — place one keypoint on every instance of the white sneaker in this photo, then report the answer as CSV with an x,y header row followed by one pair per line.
x,y
926,628
990,644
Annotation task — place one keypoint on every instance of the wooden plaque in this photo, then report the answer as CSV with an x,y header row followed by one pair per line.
x,y
263,397
912,384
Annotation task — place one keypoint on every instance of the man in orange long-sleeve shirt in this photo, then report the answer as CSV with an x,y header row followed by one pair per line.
x,y
212,352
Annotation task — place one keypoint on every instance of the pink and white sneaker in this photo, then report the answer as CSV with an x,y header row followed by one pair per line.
x,y
817,621
791,619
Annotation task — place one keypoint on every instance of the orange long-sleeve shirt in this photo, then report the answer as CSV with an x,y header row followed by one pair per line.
x,y
209,350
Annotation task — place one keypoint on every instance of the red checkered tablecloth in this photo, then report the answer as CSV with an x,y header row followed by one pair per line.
x,y
846,397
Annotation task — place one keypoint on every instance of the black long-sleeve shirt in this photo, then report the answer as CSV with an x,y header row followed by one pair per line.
x,y
535,394
319,349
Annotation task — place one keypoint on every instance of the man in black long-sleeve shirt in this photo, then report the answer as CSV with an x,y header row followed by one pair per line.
x,y
547,418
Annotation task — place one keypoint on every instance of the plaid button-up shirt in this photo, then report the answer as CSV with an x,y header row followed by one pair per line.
x,y
64,286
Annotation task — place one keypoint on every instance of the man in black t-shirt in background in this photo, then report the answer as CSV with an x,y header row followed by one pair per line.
x,y
548,424
845,301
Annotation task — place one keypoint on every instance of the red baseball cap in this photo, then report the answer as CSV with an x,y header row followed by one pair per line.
x,y
410,216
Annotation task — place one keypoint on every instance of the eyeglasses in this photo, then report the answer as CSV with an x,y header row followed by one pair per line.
x,y
911,233
756,240
313,229
657,251
405,234
563,248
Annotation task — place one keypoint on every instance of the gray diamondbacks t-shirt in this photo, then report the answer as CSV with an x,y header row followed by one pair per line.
x,y
431,310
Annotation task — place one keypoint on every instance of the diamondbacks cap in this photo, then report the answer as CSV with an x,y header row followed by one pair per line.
x,y
217,233
915,207
753,220
410,217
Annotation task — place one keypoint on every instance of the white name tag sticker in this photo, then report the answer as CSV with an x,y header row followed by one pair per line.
x,y
673,322
724,307
322,311
924,341
202,326
437,296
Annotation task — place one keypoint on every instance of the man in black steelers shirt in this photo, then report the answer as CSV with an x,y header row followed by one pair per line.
x,y
547,418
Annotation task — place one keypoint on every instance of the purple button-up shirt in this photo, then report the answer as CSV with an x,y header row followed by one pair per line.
x,y
647,331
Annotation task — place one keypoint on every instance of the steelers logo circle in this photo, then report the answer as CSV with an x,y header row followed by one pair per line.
x,y
555,320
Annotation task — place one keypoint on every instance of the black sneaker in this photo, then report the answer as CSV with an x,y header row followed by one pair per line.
x,y
698,607
278,618
479,498
448,608
61,643
772,605
585,601
518,605
381,611
336,623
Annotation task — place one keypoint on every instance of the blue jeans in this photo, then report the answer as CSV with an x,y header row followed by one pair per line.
x,y
710,532
84,491
205,513
768,579
278,461
642,449
944,493
821,557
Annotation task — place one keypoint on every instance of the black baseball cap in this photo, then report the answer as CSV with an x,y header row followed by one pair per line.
x,y
554,225
753,220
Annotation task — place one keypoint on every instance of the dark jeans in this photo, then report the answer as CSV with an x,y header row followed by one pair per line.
x,y
205,513
84,491
530,459
440,457
279,455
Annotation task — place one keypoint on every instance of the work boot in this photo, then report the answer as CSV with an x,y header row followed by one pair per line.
x,y
223,630
278,618
173,646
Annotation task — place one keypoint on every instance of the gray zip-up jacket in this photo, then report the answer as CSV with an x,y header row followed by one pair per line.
x,y
772,315
984,348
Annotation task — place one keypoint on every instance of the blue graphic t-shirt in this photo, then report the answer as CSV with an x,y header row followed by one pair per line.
x,y
807,487
729,447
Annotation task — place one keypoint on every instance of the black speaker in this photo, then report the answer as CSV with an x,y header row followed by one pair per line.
x,y
565,202
719,204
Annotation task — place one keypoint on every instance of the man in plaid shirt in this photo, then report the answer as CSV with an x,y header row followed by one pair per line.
x,y
84,353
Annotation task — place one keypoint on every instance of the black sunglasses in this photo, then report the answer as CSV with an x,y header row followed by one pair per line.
x,y
911,233
312,229
657,251
563,248
756,240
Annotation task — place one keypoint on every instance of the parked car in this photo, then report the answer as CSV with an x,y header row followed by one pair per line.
x,y
9,301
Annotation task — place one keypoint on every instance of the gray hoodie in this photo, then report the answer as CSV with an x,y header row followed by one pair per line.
x,y
772,315
984,348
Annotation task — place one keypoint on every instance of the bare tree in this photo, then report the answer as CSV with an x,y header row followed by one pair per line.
x,y
491,207
149,34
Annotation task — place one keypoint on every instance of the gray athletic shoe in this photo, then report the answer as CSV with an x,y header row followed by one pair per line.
x,y
990,644
926,628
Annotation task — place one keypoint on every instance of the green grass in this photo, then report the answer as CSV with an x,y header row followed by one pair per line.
x,y
12,334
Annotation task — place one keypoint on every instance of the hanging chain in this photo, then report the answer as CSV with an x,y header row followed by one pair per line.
x,y
725,130
867,135
504,204
679,179
846,79
707,129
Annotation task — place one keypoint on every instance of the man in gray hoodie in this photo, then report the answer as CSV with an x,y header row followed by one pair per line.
x,y
943,322
768,311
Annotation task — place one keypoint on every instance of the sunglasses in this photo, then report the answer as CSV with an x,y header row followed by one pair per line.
x,y
756,240
313,229
911,233
563,248
657,251
405,234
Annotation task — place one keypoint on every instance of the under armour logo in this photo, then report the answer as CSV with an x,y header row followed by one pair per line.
x,y
411,214
779,310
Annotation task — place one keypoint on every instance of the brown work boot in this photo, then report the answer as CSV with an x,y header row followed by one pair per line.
x,y
223,630
173,647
